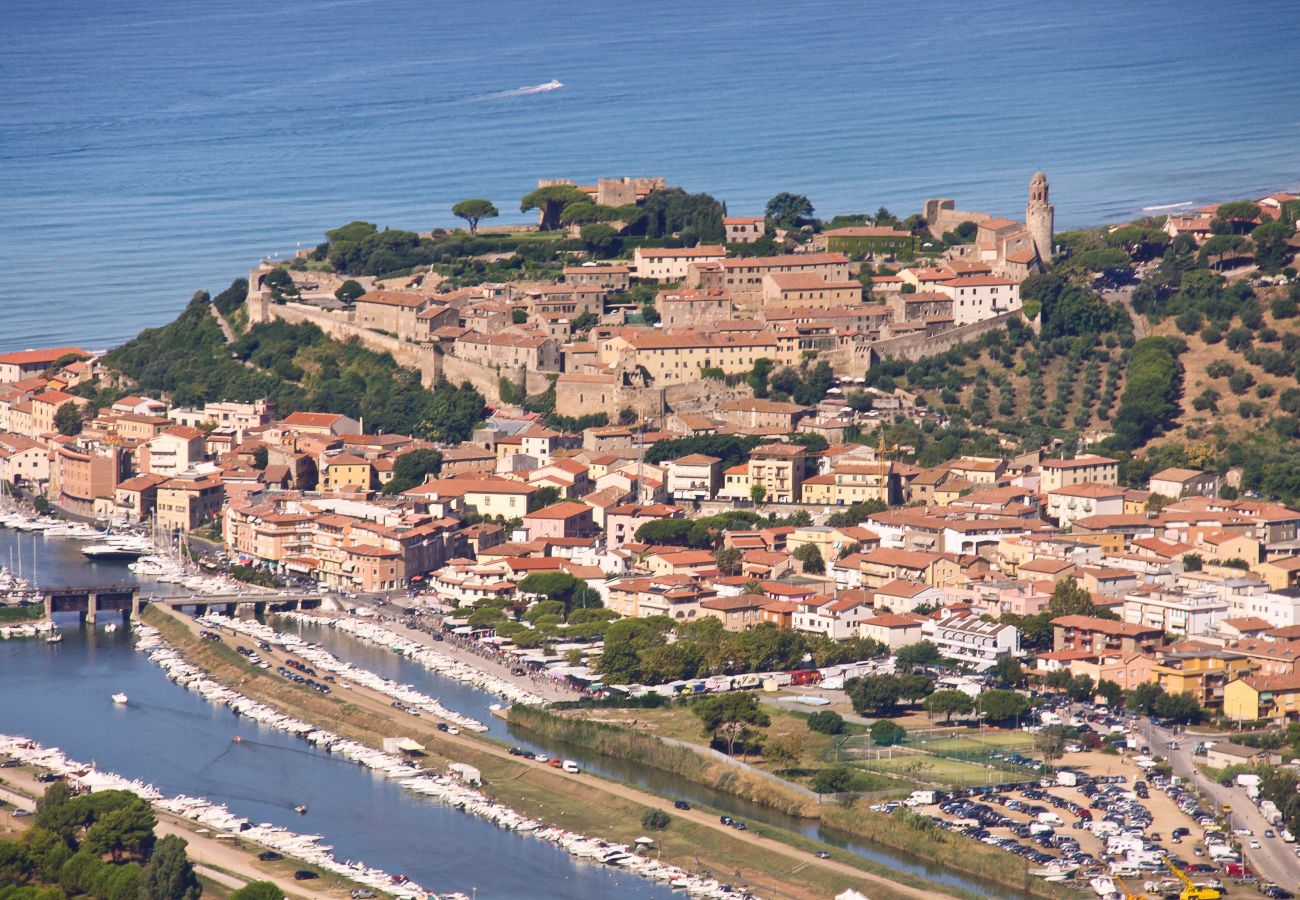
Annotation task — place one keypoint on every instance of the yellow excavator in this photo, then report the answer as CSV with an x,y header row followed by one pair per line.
x,y
1191,891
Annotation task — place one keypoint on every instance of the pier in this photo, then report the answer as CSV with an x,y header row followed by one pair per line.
x,y
89,602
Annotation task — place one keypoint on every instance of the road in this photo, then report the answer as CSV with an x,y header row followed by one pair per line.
x,y
1275,860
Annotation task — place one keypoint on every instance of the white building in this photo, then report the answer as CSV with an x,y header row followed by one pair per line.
x,y
972,640
1185,612
672,263
980,297
1078,501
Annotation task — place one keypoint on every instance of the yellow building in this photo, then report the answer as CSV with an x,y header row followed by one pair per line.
x,y
677,356
1202,672
185,504
346,470
1262,697
779,468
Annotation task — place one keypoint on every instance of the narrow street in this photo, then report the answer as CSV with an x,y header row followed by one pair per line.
x,y
1275,860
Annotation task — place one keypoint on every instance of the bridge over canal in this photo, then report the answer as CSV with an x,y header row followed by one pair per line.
x,y
89,601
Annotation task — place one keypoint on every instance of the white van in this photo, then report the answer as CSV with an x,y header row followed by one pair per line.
x,y
1050,818
570,766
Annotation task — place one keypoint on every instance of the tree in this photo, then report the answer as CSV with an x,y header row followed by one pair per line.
x,y
948,703
835,780
810,557
67,419
599,239
915,687
728,560
757,377
1110,691
729,717
886,733
258,890
1051,743
1142,699
1180,708
551,200
872,694
1057,679
1081,688
922,653
1068,599
473,210
126,829
412,469
758,494
1271,244
826,721
655,820
1002,706
789,210
170,875
349,292
786,749
1008,672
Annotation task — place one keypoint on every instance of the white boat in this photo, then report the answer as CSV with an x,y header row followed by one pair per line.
x,y
54,638
110,551
119,698
110,628
1103,886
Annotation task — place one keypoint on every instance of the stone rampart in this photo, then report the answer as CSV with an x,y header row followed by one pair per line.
x,y
424,360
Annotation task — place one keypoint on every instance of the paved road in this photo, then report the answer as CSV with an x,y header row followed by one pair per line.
x,y
1275,860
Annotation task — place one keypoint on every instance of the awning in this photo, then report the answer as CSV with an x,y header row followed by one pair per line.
x,y
409,746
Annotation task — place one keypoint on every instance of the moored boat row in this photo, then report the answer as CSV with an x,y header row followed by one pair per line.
x,y
211,815
323,660
374,633
425,783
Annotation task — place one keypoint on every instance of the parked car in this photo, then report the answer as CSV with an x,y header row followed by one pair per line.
x,y
681,804
304,875
269,856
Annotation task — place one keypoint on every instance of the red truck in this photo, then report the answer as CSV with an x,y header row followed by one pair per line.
x,y
805,676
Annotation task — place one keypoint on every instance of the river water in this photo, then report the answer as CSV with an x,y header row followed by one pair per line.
x,y
59,695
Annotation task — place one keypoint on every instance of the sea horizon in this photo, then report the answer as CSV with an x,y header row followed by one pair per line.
x,y
149,153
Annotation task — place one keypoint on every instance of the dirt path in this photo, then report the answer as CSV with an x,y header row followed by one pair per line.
x,y
225,326
378,704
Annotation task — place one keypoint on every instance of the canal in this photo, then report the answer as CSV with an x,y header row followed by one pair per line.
x,y
473,702
59,695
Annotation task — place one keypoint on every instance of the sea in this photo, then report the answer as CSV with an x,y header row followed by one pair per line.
x,y
148,150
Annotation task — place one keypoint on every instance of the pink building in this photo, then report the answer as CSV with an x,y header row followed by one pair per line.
x,y
560,520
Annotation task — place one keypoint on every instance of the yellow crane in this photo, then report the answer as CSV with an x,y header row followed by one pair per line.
x,y
1191,891
1128,895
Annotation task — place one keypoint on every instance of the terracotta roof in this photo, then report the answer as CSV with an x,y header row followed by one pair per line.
x,y
563,510
893,620
394,298
32,357
312,420
864,231
1105,626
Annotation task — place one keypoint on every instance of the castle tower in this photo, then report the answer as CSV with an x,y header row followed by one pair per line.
x,y
1040,217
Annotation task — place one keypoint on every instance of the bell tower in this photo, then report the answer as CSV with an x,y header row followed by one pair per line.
x,y
1040,217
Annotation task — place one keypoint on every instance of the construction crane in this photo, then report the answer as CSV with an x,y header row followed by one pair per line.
x,y
1128,895
1192,891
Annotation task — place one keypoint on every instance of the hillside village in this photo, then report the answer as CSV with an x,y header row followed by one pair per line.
x,y
719,442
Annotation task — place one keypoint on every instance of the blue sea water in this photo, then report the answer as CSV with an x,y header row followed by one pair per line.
x,y
151,149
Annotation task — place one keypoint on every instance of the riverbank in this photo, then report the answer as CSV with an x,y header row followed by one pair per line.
x,y
930,844
695,841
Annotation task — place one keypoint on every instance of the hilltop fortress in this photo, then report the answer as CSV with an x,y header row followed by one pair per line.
x,y
847,296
